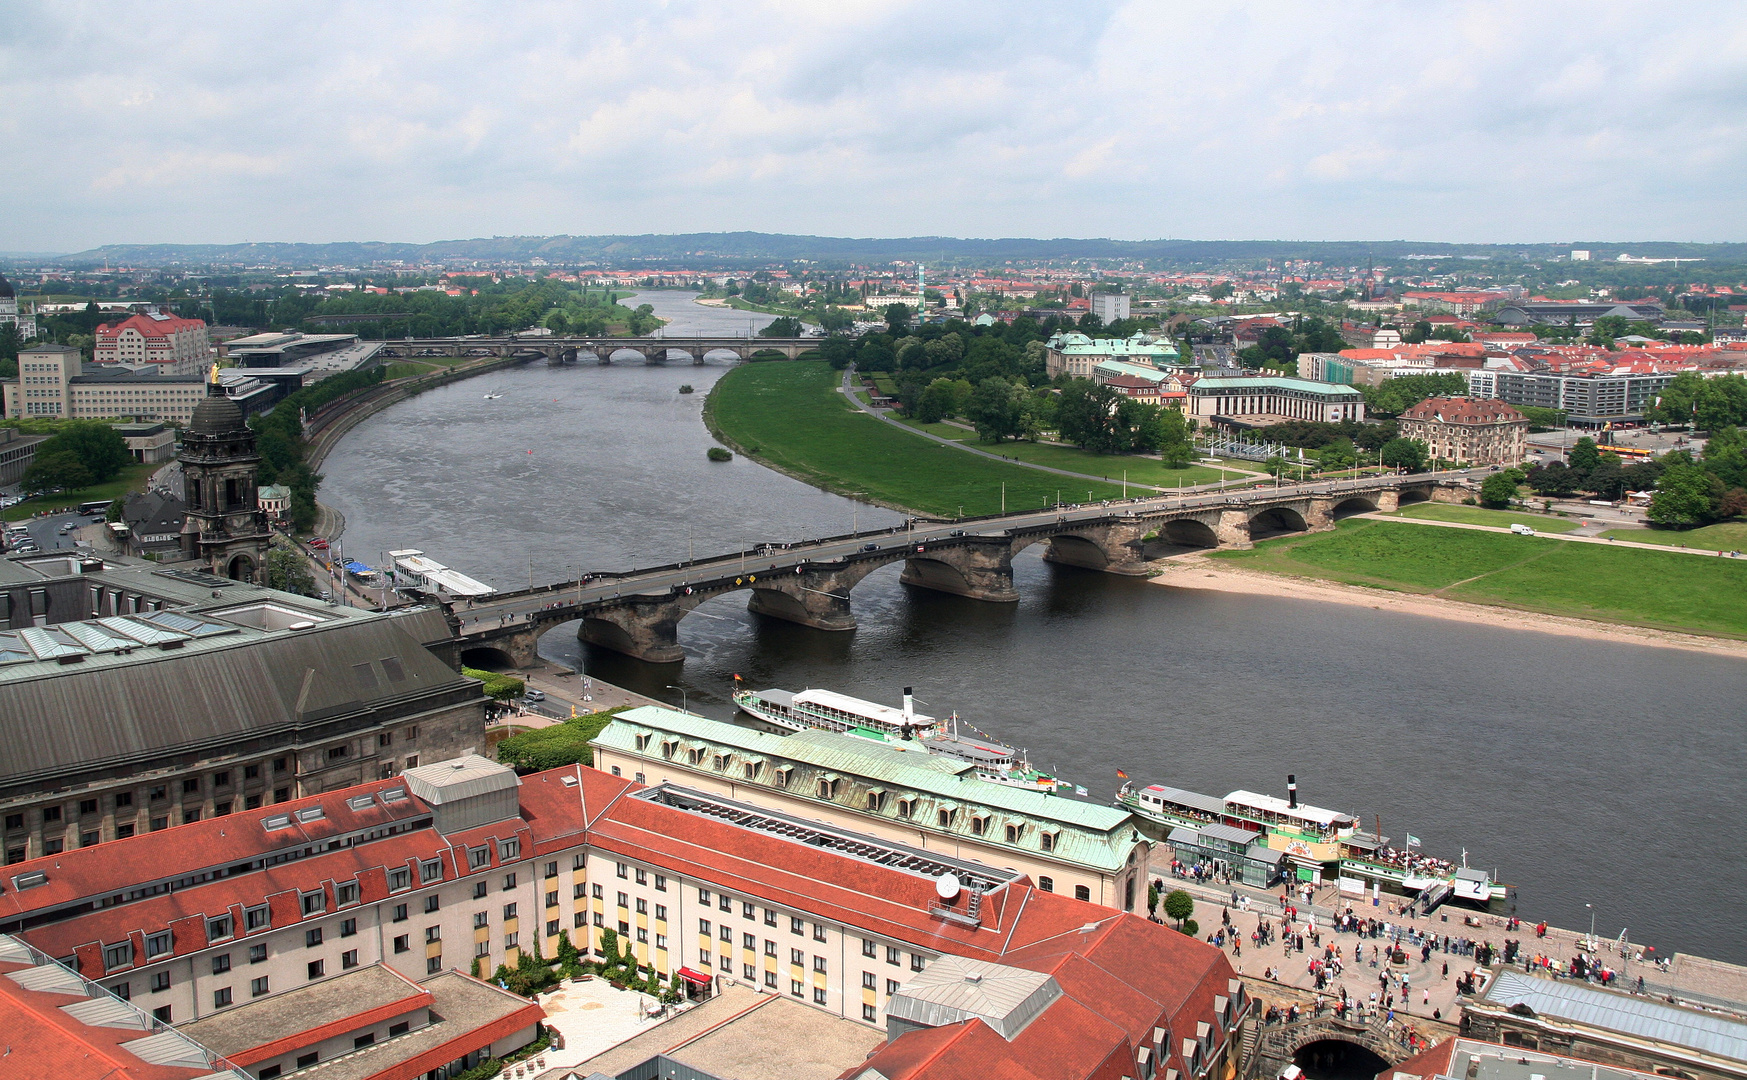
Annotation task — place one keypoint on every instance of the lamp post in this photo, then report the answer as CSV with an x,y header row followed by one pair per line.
x,y
855,514
683,701
1591,908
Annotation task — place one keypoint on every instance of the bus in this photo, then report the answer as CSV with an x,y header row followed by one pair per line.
x,y
1629,454
95,506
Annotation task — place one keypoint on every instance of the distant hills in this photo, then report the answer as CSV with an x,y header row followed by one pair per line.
x,y
703,250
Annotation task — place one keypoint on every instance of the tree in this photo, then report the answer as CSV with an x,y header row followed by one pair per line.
x,y
1686,495
996,408
943,397
1179,905
287,569
1152,898
897,317
1726,455
786,326
1584,456
1336,456
1498,490
93,444
1175,446
1409,454
56,470
1554,479
1395,396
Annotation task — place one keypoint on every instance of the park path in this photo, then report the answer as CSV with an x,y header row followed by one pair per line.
x,y
848,391
1568,537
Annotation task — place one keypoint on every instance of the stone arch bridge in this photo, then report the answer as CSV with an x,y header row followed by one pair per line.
x,y
638,612
569,349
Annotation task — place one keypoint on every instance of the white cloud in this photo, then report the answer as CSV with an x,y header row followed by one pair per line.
x,y
1464,121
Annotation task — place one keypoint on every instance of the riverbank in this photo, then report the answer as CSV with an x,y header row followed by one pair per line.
x,y
1205,574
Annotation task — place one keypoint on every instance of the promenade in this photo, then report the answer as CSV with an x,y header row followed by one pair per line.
x,y
1431,993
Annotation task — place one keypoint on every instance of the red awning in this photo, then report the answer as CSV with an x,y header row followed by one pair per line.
x,y
696,978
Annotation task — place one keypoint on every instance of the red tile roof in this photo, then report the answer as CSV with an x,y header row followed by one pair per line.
x,y
1463,410
148,327
43,1041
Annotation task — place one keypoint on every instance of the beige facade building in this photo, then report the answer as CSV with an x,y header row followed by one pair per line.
x,y
52,382
1478,430
928,801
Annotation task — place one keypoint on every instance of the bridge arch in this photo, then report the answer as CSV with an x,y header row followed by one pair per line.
x,y
1354,504
1077,551
1189,532
1414,495
1276,521
935,574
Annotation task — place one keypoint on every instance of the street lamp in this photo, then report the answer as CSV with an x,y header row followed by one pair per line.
x,y
855,514
1591,908
683,707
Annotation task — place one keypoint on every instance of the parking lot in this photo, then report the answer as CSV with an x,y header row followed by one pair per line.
x,y
51,532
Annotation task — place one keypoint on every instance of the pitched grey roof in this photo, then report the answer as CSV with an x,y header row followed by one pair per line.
x,y
956,988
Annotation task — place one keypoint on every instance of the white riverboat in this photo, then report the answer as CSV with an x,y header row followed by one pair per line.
x,y
903,728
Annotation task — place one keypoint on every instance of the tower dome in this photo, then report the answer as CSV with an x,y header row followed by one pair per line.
x,y
216,414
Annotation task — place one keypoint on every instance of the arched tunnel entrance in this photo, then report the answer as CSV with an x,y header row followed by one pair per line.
x,y
1337,1059
1414,495
1276,522
487,658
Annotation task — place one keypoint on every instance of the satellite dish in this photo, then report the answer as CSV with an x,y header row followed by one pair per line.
x,y
947,886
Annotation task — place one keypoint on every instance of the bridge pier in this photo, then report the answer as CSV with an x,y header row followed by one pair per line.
x,y
1320,515
647,630
982,571
1114,548
605,353
1388,501
697,356
656,355
1233,530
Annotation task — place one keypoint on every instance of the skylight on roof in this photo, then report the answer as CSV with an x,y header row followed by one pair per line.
x,y
312,813
277,821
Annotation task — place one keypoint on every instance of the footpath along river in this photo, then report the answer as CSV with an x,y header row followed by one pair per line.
x,y
1584,772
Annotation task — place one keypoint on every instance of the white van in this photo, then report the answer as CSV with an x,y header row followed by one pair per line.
x,y
1522,530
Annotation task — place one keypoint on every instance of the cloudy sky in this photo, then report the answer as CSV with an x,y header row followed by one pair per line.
x,y
1538,121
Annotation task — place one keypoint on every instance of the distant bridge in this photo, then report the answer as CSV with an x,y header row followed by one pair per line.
x,y
559,349
638,612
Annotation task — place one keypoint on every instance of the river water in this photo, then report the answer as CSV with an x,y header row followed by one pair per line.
x,y
1584,772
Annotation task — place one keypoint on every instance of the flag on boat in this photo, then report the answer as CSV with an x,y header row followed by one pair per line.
x,y
1412,840
1120,775
736,677
1080,791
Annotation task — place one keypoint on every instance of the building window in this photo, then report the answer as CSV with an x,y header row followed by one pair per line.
x,y
1081,892
15,821
1012,834
257,987
660,912
869,1013
218,928
509,940
769,917
624,899
191,785
642,876
221,963
1046,841
433,964
508,850
704,897
704,927
399,879
819,932
349,959
118,956
509,911
315,902
1046,883
87,806
796,926
433,934
400,913
916,961
257,954
625,872
818,995
158,944
797,957
479,857
770,948
403,943
317,968
579,891
480,888
431,904
221,997
642,935
724,903
430,870
892,955
509,882
795,987
160,981
312,937
346,893
251,772
770,979
748,972
868,948
891,987
660,883
819,964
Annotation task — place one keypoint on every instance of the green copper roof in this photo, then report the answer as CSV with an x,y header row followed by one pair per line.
x,y
1087,834
1250,384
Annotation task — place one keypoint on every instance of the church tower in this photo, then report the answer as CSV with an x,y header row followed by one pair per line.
x,y
225,528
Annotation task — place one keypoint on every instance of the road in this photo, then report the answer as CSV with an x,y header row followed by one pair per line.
x,y
766,560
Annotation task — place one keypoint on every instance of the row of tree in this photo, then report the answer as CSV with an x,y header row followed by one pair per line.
x,y
1688,491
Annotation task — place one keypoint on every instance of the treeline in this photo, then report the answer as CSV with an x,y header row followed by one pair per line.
x,y
279,439
1705,404
484,307
1688,491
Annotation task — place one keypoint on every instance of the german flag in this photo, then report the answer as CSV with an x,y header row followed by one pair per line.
x,y
1120,775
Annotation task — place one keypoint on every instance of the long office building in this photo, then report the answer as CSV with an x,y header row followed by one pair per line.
x,y
401,884
1595,399
1264,399
930,801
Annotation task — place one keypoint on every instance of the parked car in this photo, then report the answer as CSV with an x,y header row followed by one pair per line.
x,y
319,544
535,695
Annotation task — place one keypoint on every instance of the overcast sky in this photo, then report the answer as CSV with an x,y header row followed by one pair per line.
x,y
1537,121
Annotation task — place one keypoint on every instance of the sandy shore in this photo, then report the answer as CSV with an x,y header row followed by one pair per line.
x,y
1195,572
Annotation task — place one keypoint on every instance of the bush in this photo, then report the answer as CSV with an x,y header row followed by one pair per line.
x,y
1179,905
1498,489
716,453
500,687
561,744
1190,927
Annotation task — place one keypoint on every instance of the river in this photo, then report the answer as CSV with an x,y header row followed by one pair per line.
x,y
1584,772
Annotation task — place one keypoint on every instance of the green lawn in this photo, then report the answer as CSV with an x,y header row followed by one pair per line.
x,y
1624,585
1728,536
131,478
1478,515
791,417
1141,470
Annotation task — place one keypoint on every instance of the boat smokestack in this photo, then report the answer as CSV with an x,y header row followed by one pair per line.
x,y
1292,790
909,704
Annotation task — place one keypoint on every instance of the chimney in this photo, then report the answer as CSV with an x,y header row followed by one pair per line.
x,y
909,704
1292,791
